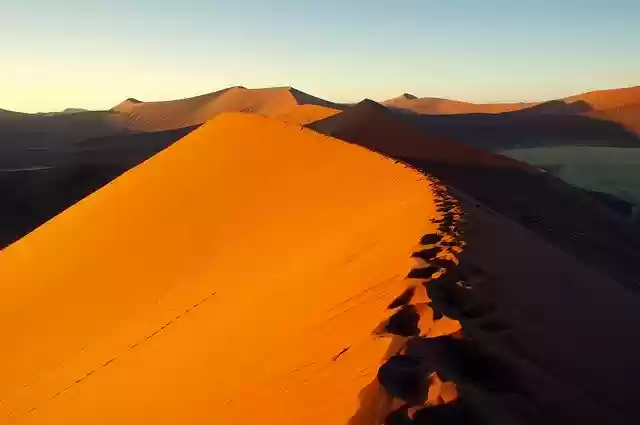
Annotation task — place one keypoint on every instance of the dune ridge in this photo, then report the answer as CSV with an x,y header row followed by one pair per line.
x,y
225,279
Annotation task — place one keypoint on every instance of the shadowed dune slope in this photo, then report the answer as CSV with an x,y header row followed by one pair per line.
x,y
627,115
46,131
156,116
558,212
559,326
233,278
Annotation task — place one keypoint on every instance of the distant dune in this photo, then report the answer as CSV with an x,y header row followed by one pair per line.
x,y
156,116
437,106
606,99
595,100
234,278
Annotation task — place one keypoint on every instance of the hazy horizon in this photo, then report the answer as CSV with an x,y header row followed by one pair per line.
x,y
77,55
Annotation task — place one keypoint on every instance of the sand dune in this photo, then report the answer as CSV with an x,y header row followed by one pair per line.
x,y
438,106
233,278
561,214
156,116
606,99
595,100
386,133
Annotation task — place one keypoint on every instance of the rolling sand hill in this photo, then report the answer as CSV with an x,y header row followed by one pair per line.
x,y
528,128
606,99
438,106
600,118
556,211
233,278
591,101
156,116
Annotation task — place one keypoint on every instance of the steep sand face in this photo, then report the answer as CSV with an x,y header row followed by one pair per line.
x,y
233,278
156,116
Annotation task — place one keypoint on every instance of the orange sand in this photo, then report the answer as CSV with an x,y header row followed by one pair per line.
x,y
218,282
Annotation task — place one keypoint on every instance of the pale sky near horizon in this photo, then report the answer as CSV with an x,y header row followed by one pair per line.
x,y
95,53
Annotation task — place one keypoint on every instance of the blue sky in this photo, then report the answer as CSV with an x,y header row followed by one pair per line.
x,y
93,54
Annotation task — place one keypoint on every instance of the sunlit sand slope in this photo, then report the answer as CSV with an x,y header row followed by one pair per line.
x,y
234,278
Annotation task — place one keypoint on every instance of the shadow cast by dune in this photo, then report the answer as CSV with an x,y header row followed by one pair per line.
x,y
430,238
423,273
427,254
463,362
405,377
404,322
403,299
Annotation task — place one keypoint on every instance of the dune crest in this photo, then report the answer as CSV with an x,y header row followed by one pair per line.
x,y
235,276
